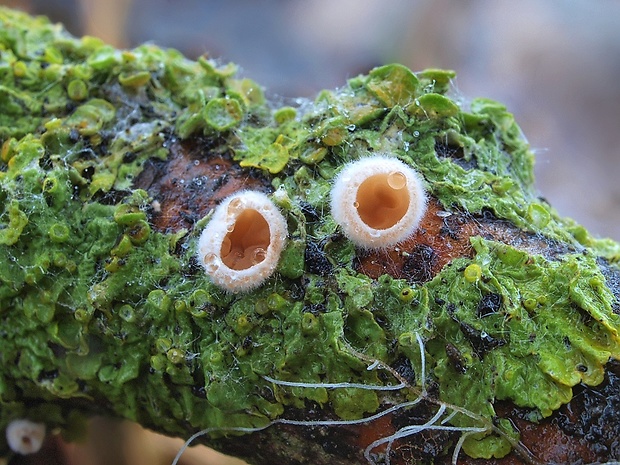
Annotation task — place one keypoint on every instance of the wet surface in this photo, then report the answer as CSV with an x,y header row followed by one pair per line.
x,y
444,236
191,182
584,431
194,180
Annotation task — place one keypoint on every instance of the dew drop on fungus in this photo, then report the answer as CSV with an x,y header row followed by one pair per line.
x,y
242,242
378,201
210,262
226,246
258,255
235,206
397,180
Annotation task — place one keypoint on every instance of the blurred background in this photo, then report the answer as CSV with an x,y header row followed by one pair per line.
x,y
554,63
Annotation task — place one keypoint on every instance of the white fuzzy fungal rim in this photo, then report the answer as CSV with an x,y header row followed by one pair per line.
x,y
241,245
378,201
25,436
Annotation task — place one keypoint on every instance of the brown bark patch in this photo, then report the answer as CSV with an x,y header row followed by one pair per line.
x,y
192,181
437,242
444,236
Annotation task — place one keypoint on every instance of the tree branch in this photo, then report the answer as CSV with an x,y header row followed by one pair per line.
x,y
435,343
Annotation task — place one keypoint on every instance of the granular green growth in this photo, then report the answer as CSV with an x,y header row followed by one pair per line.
x,y
99,306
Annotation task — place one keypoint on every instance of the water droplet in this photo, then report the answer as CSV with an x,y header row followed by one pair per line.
x,y
231,227
416,133
211,263
375,233
226,246
235,207
351,127
396,180
356,204
196,162
258,255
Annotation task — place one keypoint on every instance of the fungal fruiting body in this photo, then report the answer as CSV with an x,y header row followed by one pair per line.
x,y
25,436
241,245
378,201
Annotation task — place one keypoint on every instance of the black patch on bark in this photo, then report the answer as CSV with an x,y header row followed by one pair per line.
x,y
316,260
489,303
418,264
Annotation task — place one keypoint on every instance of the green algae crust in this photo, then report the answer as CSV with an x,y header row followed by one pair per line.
x,y
98,304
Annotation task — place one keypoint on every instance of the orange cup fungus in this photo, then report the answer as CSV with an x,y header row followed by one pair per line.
x,y
378,201
241,245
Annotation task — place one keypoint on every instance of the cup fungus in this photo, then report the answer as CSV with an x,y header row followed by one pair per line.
x,y
378,201
25,436
241,245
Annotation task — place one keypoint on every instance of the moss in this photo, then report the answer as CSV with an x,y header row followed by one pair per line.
x,y
130,320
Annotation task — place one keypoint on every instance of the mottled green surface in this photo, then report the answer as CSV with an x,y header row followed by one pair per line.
x,y
97,305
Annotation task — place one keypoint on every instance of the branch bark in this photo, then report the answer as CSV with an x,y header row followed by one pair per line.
x,y
473,333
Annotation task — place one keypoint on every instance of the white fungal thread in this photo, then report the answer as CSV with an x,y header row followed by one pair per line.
x,y
422,363
285,421
371,387
25,436
438,422
241,245
378,201
374,365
